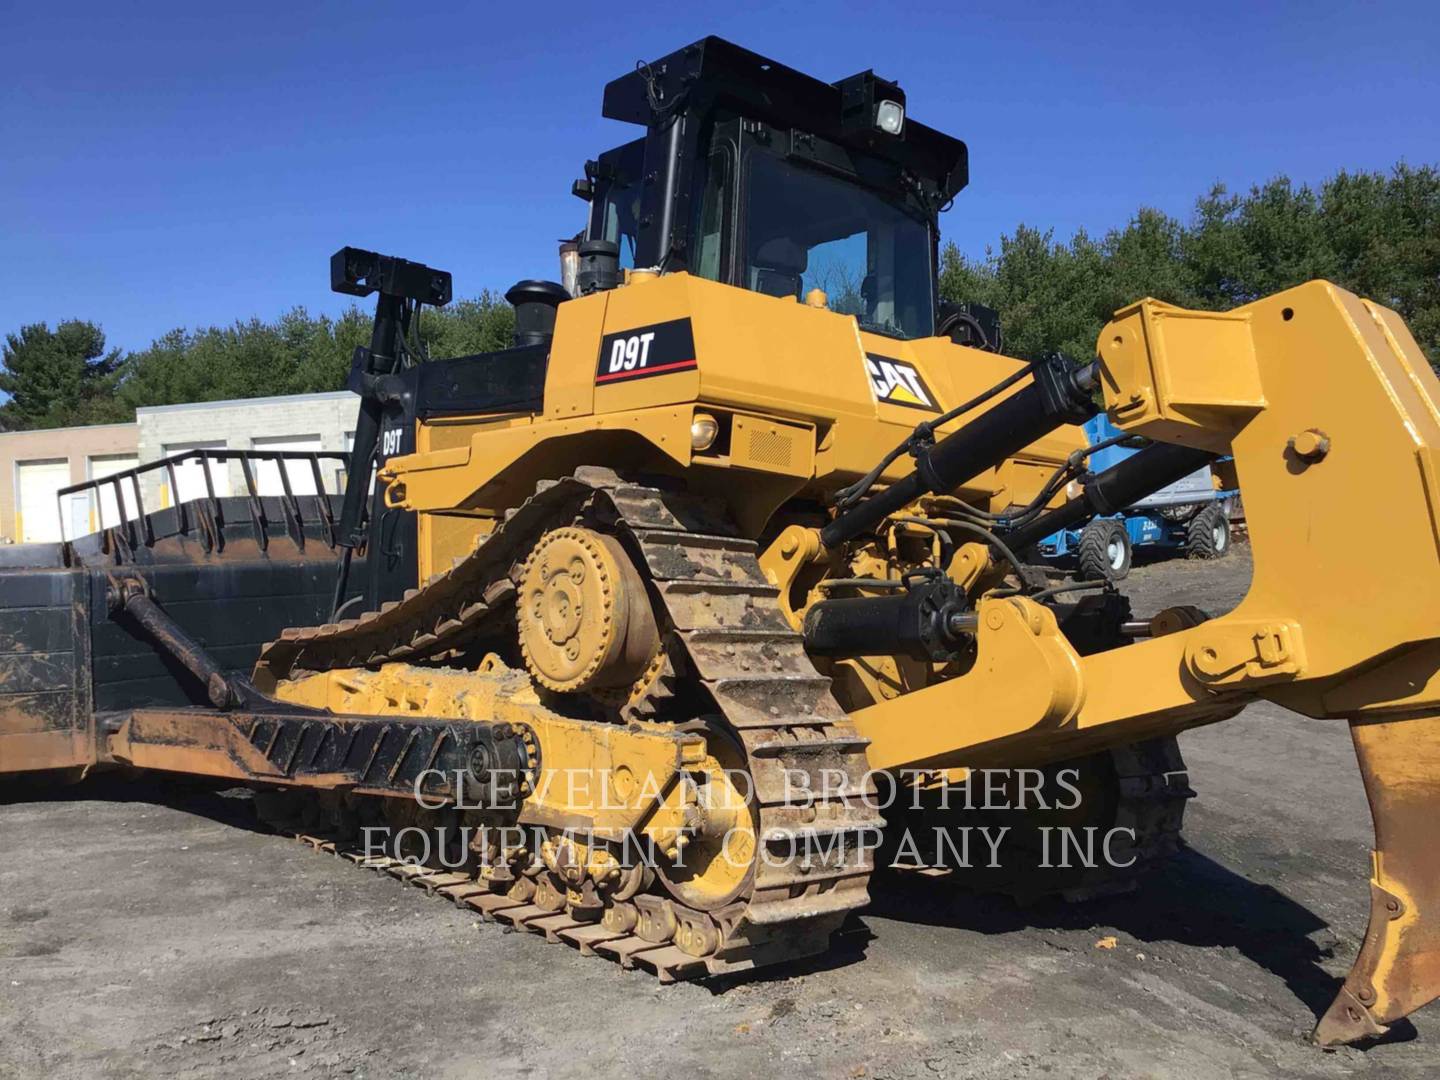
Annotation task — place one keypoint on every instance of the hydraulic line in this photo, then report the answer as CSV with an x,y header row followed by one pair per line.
x,y
847,497
1114,489
1058,395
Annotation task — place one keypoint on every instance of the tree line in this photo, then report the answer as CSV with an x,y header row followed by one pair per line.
x,y
66,376
1377,234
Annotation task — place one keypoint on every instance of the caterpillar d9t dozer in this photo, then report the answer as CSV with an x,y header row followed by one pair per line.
x,y
731,544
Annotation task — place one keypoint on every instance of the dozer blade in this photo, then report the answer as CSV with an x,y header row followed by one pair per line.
x,y
1398,967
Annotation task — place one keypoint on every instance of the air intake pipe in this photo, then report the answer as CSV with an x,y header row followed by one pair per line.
x,y
535,303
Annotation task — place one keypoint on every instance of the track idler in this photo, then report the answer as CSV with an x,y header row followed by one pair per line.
x,y
1398,968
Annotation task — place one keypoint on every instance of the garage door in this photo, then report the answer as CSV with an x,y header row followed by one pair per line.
x,y
39,512
104,507
302,477
190,477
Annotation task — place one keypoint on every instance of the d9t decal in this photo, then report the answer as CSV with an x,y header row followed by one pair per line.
x,y
660,349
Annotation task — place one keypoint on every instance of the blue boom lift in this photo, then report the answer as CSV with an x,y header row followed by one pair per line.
x,y
1189,515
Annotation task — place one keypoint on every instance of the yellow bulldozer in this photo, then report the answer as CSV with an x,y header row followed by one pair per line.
x,y
673,615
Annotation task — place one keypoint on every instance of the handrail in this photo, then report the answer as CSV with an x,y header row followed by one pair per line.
x,y
123,533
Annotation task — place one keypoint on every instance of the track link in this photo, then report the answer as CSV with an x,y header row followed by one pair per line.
x,y
817,824
667,962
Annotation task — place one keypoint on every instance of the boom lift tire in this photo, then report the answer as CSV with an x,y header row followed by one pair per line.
x,y
1208,536
1104,551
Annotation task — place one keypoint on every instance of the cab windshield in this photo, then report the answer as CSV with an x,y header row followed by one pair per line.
x,y
808,230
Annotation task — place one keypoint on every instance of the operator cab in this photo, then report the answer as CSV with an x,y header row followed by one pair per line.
x,y
758,176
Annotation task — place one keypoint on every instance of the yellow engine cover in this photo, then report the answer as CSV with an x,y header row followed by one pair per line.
x,y
805,403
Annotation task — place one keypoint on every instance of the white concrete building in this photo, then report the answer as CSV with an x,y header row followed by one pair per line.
x,y
36,465
296,422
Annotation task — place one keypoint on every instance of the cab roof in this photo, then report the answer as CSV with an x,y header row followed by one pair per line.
x,y
714,73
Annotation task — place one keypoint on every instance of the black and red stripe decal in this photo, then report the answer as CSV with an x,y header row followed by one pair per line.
x,y
645,351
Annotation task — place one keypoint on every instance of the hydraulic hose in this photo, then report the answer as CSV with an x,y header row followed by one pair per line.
x,y
1058,395
1114,489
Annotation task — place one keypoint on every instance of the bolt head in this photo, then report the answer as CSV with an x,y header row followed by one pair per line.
x,y
1312,444
479,763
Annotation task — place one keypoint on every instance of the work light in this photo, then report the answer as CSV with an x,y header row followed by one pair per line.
x,y
890,117
703,430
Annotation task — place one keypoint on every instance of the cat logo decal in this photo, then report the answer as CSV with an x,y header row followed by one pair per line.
x,y
898,383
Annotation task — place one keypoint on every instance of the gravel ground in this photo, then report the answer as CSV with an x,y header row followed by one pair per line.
x,y
149,932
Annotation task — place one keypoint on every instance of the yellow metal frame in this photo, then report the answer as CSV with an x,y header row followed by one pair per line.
x,y
1324,629
604,780
1327,404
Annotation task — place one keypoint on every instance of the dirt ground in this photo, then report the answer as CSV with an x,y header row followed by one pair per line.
x,y
146,932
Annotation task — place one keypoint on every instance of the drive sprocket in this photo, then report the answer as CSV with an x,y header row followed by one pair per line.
x,y
583,617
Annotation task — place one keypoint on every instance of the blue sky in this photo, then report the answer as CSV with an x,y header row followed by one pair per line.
x,y
182,165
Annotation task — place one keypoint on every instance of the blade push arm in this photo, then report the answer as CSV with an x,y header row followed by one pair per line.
x,y
1327,404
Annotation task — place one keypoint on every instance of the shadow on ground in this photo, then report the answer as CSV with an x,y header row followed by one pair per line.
x,y
226,805
1189,900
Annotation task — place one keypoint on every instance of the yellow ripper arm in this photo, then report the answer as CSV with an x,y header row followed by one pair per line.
x,y
1328,406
